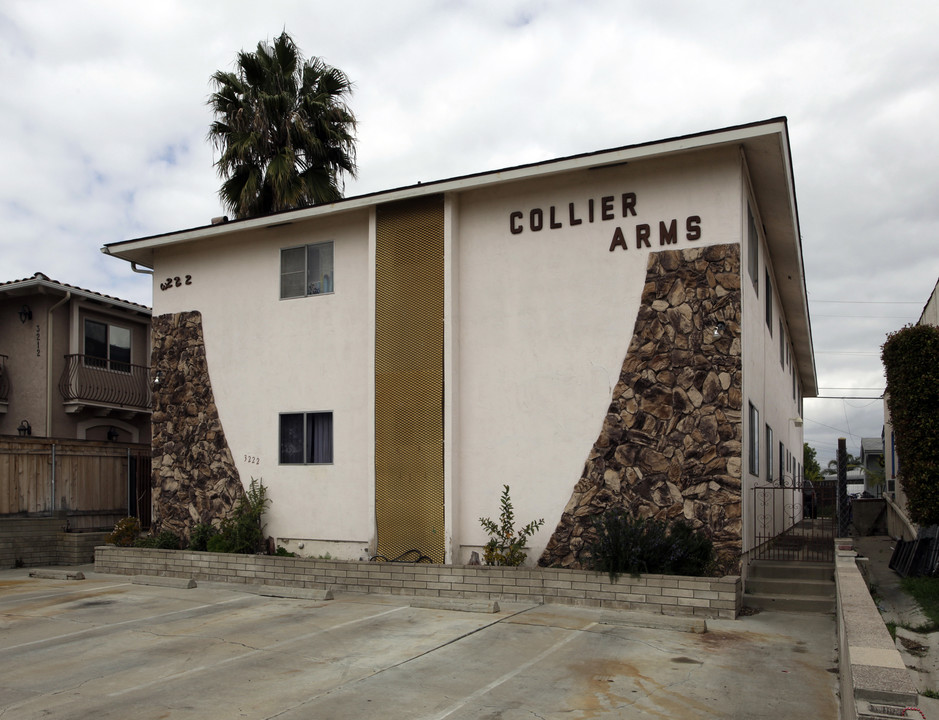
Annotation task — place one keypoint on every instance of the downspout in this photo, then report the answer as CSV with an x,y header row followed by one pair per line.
x,y
49,333
53,478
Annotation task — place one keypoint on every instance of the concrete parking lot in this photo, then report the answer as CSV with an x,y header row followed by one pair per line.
x,y
104,647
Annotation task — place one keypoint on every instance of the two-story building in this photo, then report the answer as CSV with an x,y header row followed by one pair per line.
x,y
626,327
75,404
74,363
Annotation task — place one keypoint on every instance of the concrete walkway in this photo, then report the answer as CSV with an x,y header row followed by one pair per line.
x,y
104,647
920,652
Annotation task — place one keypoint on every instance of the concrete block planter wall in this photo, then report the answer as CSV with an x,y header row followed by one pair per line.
x,y
666,594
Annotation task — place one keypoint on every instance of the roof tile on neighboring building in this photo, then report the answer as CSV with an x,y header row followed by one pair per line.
x,y
40,279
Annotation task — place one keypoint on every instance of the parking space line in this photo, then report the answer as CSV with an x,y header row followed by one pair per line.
x,y
18,599
98,628
505,678
190,672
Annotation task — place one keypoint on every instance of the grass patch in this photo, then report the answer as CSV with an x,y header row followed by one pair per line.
x,y
892,629
925,590
930,694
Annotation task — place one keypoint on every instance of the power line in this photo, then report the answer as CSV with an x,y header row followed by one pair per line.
x,y
865,317
845,352
869,302
843,397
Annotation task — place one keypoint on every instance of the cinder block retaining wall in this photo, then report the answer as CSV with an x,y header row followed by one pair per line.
x,y
28,542
667,594
874,680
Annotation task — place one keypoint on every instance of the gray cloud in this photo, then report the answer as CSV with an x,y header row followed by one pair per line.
x,y
103,121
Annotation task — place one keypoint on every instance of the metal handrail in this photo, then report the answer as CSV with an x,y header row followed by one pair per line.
x,y
96,380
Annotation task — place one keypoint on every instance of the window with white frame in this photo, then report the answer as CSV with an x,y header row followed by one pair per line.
x,y
754,449
782,464
306,270
107,346
306,438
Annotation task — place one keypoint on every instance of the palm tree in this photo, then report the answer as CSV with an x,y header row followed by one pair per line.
x,y
283,130
851,462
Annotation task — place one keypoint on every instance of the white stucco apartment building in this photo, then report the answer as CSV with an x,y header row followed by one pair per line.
x,y
624,327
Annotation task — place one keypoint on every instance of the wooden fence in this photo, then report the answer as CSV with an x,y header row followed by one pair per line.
x,y
93,483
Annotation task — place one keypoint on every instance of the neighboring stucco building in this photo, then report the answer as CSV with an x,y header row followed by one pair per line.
x,y
626,327
73,363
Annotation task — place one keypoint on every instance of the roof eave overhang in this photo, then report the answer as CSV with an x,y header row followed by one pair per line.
x,y
140,250
769,162
765,145
38,286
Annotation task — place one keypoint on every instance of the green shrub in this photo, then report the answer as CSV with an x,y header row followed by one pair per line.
x,y
200,536
243,532
166,540
284,552
911,364
626,544
505,546
125,532
219,543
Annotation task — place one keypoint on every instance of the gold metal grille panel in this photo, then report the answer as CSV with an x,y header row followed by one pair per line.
x,y
409,497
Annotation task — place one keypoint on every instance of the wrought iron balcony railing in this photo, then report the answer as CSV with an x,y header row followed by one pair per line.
x,y
95,381
4,380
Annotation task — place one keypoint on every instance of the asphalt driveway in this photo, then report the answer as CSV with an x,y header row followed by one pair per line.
x,y
104,647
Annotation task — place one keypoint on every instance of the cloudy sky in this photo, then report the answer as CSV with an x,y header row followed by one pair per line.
x,y
103,120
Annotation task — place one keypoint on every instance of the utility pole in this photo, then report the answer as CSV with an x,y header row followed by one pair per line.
x,y
843,520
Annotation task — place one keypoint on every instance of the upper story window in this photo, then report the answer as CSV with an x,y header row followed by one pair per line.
x,y
107,346
306,270
753,251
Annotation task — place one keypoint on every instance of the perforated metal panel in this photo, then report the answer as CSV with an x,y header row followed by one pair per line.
x,y
409,498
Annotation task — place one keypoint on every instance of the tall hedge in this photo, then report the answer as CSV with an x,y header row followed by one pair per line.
x,y
911,362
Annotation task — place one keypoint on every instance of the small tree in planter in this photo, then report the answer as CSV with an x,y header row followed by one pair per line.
x,y
243,531
505,546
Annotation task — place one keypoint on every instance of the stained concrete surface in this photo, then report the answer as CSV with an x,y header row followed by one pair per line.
x,y
920,651
107,648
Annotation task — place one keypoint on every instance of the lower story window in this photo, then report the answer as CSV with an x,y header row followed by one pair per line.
x,y
754,450
306,438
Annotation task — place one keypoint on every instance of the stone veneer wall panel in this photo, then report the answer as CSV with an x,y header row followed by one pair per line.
x,y
670,444
194,476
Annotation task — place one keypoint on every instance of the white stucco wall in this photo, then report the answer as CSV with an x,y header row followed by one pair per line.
x,y
546,318
537,322
766,383
268,356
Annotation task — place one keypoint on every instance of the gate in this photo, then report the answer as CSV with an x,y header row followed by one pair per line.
x,y
796,520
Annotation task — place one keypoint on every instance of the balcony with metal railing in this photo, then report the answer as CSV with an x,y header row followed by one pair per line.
x,y
91,382
4,384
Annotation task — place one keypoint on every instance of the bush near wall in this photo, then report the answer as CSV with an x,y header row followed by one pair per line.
x,y
911,362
